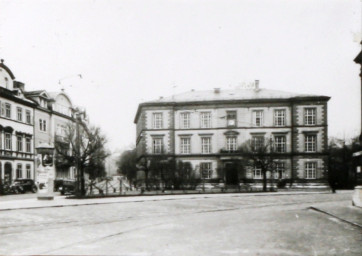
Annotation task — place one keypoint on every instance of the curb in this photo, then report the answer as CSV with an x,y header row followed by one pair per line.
x,y
174,197
334,216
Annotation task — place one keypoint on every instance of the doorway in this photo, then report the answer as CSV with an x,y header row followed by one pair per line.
x,y
231,174
7,173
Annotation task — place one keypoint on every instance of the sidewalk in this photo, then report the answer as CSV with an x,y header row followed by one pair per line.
x,y
344,212
61,201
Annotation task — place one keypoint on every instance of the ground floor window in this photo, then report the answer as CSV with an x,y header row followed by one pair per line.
x,y
257,173
206,171
19,171
311,170
28,171
279,170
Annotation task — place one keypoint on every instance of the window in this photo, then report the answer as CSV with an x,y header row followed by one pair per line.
x,y
28,171
19,171
310,143
311,170
19,114
185,120
258,117
61,130
257,173
7,83
309,116
43,103
206,145
279,170
231,118
231,143
42,125
28,144
185,145
257,143
7,110
279,117
206,171
2,111
279,144
19,143
157,121
28,117
8,141
157,145
205,119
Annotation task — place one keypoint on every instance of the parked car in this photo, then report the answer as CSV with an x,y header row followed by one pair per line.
x,y
206,186
67,187
23,186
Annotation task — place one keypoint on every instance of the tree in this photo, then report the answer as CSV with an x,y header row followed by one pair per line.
x,y
259,153
340,171
83,147
127,164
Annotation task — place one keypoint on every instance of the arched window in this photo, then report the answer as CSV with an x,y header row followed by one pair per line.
x,y
7,83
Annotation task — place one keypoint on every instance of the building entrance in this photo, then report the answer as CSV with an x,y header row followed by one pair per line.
x,y
231,174
7,173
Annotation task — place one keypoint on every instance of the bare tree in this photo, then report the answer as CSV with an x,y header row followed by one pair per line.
x,y
259,153
127,164
83,147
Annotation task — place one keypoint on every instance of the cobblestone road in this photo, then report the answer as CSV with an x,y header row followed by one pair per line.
x,y
232,225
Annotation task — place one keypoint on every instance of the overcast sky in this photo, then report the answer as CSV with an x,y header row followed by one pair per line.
x,y
134,51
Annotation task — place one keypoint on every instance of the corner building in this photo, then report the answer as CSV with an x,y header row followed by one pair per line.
x,y
16,129
205,128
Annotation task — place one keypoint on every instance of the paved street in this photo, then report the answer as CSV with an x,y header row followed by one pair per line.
x,y
233,224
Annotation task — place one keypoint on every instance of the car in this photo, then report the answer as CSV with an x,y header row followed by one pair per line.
x,y
23,186
67,187
206,186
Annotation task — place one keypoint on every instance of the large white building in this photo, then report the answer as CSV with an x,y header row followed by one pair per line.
x,y
16,129
206,128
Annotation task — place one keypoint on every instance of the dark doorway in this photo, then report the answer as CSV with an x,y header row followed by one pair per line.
x,y
7,173
231,174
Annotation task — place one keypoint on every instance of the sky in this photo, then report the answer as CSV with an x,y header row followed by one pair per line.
x,y
129,52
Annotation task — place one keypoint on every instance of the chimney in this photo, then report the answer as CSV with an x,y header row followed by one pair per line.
x,y
19,85
216,90
256,85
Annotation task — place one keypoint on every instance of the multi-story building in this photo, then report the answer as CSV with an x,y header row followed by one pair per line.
x,y
206,129
52,114
29,119
16,129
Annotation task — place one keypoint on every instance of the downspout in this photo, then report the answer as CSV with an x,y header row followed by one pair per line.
x,y
292,120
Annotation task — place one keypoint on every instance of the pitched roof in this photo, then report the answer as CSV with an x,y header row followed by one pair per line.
x,y
211,96
224,95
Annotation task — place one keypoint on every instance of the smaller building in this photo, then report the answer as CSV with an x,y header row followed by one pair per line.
x,y
52,114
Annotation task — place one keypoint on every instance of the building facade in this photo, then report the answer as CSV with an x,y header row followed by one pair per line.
x,y
207,128
29,119
53,112
16,129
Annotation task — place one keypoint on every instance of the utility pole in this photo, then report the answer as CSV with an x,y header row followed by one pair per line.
x,y
80,170
79,192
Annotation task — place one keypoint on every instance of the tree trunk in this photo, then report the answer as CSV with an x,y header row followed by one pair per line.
x,y
264,181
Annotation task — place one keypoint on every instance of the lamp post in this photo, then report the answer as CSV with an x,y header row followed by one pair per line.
x,y
46,172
